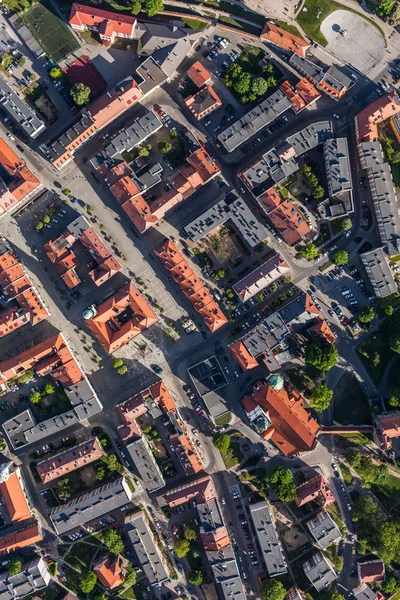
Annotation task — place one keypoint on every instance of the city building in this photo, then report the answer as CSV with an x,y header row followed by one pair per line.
x,y
65,462
262,277
54,358
97,115
130,137
141,537
230,208
65,261
289,223
386,428
319,571
23,303
21,529
295,594
17,183
198,74
126,188
203,102
258,117
146,464
33,578
284,40
107,24
288,425
302,95
191,286
364,592
109,570
120,318
91,506
324,530
314,489
338,174
201,490
371,571
271,549
19,112
379,273
330,80
367,120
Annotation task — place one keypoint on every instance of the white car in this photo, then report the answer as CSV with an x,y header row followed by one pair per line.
x,y
12,138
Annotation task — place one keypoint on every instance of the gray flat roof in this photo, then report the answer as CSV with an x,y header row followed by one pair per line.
x,y
231,206
323,529
92,505
33,577
319,571
226,573
151,74
338,172
134,135
257,118
379,272
19,111
270,545
307,67
261,277
210,516
145,548
207,376
145,464
363,592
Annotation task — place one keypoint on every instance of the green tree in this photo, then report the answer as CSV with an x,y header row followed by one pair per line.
x,y
181,548
366,314
46,219
3,444
384,8
143,152
64,489
395,16
164,147
282,483
112,463
234,71
259,86
318,192
80,94
321,397
122,370
189,532
390,585
321,355
341,257
242,84
87,582
173,134
394,334
56,73
222,441
309,251
269,69
14,566
22,378
196,577
100,474
272,589
130,576
394,398
346,224
136,7
196,553
39,225
35,397
117,362
152,7
49,389
330,595
113,541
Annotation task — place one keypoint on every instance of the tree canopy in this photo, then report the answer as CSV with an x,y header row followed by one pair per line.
x,y
181,548
259,86
366,314
272,589
113,541
385,8
152,7
346,224
321,355
196,577
321,397
87,582
310,251
3,444
80,94
341,257
35,397
394,333
282,483
189,532
56,73
370,472
222,441
330,595
15,566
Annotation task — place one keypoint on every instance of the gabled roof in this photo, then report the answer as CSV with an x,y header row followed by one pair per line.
x,y
14,498
70,460
203,163
289,222
17,181
21,538
314,489
284,39
378,111
109,570
198,74
106,21
322,330
372,570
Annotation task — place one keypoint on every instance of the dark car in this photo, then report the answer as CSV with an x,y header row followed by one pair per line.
x,y
20,148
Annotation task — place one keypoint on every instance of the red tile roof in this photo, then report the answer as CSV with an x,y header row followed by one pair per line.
x,y
322,330
22,538
288,221
243,356
204,164
202,490
19,183
373,570
109,570
314,489
198,74
70,460
105,22
378,111
191,286
106,324
293,430
14,498
284,39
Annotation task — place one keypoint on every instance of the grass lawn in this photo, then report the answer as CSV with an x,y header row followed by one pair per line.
x,y
81,555
334,512
324,234
239,25
346,474
350,406
389,492
223,419
233,456
250,59
336,226
194,23
290,28
72,579
377,343
298,572
317,10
